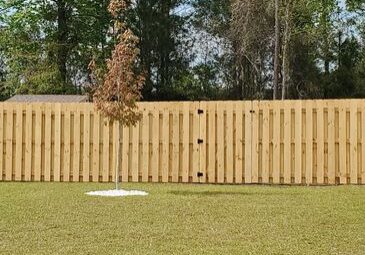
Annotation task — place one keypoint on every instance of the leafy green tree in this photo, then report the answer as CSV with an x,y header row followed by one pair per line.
x,y
161,29
47,45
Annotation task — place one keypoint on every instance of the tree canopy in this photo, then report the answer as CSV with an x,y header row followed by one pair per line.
x,y
189,49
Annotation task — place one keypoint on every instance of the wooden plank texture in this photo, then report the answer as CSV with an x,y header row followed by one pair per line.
x,y
298,143
276,143
331,145
86,152
106,149
342,143
229,143
320,142
48,142
134,170
265,163
203,146
220,143
155,144
239,143
255,142
165,144
96,147
19,142
312,142
9,142
175,146
185,143
309,143
76,144
28,143
353,144
287,142
248,143
145,144
67,144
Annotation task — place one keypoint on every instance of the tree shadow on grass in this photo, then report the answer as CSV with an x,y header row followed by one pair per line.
x,y
228,193
209,193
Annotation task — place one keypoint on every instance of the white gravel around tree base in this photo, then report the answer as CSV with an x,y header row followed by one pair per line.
x,y
117,193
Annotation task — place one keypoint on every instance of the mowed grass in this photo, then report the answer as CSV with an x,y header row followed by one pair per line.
x,y
57,218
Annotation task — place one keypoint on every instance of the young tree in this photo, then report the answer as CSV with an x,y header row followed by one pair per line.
x,y
120,87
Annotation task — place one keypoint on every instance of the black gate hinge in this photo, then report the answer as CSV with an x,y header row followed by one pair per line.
x,y
200,111
252,111
200,174
200,141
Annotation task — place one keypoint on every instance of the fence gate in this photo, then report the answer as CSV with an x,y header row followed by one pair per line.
x,y
226,145
282,142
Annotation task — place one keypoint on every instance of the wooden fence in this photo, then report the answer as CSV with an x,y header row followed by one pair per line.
x,y
286,142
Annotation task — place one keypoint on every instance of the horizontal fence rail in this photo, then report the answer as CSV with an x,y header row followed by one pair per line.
x,y
241,142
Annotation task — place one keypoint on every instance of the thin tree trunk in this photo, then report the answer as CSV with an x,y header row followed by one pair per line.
x,y
286,42
277,49
62,34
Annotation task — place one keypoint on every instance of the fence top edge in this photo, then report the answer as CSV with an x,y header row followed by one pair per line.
x,y
193,102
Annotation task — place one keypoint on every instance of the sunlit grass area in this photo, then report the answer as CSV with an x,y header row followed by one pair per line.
x,y
49,218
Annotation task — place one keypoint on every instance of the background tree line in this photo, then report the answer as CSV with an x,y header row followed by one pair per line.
x,y
190,49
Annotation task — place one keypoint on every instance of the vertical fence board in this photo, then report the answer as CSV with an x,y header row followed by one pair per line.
x,y
309,143
165,144
186,144
229,143
220,143
28,143
287,142
320,142
203,146
265,164
212,142
276,143
298,142
342,143
239,143
48,142
248,143
331,145
57,153
96,147
353,168
38,143
175,145
145,144
134,170
106,156
86,152
116,155
9,143
255,142
196,130
67,144
19,142
125,154
77,145
155,144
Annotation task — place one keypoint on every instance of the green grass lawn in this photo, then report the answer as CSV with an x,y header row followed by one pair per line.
x,y
41,218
